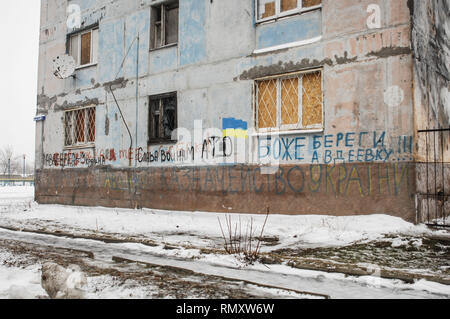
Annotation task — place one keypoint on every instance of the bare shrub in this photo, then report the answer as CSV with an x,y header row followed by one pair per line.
x,y
244,245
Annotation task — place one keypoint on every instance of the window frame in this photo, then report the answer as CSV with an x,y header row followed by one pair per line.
x,y
86,143
279,15
162,6
160,97
288,128
93,57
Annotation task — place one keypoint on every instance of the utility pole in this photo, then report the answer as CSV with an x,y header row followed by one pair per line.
x,y
9,171
24,172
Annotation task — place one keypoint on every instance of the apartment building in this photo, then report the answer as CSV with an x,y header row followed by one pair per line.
x,y
245,106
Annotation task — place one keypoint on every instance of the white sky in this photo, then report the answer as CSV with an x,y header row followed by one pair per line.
x,y
19,32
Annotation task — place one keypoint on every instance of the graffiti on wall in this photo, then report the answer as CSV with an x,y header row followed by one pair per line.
x,y
338,180
234,147
348,147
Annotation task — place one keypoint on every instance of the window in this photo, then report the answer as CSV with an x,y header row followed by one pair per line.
x,y
164,29
272,9
79,127
83,47
163,117
290,102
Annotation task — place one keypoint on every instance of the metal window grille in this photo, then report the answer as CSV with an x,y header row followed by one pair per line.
x,y
290,102
79,126
434,204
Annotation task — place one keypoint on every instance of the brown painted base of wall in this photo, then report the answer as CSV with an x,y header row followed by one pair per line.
x,y
339,190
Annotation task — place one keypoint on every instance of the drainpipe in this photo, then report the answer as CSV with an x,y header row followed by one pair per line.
x,y
137,100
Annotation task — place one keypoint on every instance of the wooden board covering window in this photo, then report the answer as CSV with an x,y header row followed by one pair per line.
x,y
312,99
269,10
287,5
79,126
289,101
311,3
91,124
85,48
267,103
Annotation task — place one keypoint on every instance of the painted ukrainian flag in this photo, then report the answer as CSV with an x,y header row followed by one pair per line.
x,y
234,128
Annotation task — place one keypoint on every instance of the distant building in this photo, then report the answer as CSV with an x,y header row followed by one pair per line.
x,y
286,106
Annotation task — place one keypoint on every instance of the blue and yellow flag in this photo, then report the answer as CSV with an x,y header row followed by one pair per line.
x,y
234,128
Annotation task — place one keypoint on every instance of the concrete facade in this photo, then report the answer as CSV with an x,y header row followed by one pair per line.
x,y
362,160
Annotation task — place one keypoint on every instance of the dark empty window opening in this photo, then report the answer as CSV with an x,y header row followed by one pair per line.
x,y
164,29
163,118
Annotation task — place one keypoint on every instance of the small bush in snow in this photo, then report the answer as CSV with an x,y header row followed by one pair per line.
x,y
245,245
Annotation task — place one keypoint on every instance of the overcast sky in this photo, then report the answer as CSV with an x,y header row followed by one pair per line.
x,y
19,31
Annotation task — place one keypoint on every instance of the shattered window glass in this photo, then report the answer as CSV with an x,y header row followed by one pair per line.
x,y
164,26
163,117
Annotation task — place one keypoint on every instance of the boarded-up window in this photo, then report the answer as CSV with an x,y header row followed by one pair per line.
x,y
164,27
267,103
266,8
290,102
312,99
91,125
287,5
311,3
271,9
79,126
83,47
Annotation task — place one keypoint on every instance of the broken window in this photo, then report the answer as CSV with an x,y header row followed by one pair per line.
x,y
164,29
290,102
79,127
83,47
271,9
163,117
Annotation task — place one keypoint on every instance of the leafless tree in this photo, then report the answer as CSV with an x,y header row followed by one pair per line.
x,y
9,162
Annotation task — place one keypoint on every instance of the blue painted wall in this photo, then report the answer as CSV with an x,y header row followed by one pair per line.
x,y
192,33
293,29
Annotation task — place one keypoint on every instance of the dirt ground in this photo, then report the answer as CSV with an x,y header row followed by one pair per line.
x,y
155,282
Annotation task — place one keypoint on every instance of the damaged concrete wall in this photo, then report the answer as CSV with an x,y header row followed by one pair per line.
x,y
222,50
431,51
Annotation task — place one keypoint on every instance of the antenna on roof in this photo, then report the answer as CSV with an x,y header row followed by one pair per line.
x,y
63,66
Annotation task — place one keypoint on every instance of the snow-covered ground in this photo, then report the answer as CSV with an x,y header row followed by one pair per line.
x,y
193,231
202,229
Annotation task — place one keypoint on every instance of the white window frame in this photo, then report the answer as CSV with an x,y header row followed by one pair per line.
x,y
84,144
288,128
94,57
279,14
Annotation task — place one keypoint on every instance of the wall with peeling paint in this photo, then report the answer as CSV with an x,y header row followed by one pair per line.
x,y
213,69
431,52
